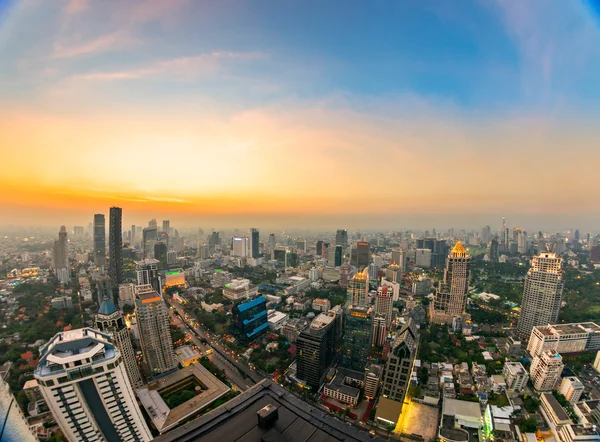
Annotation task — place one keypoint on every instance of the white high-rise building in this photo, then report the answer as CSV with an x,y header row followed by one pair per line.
x,y
571,388
153,325
545,370
110,320
542,293
240,247
515,376
384,303
82,378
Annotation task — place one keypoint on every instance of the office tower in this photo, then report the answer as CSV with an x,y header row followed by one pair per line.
x,y
571,388
325,250
99,240
315,350
398,258
115,247
341,238
357,293
494,250
104,289
301,244
254,243
360,256
438,249
542,293
384,303
249,319
272,242
451,294
110,320
423,258
85,384
379,333
166,226
126,294
149,238
239,247
338,255
545,370
133,235
357,337
373,271
393,272
60,256
160,254
345,272
152,224
214,240
319,248
486,234
147,273
520,238
153,325
398,368
78,230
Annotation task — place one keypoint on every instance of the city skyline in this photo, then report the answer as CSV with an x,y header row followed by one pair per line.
x,y
260,120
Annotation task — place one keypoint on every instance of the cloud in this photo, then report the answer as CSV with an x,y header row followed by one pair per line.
x,y
182,67
105,43
76,6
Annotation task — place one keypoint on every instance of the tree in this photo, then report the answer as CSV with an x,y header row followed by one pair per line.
x,y
390,428
528,425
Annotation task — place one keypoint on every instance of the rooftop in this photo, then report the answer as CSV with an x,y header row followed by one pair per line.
x,y
321,321
388,410
569,329
237,421
454,407
557,409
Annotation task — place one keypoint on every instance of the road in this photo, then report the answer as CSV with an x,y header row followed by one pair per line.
x,y
221,356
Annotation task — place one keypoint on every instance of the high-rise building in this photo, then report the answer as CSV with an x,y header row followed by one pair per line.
x,y
515,376
249,319
571,388
126,294
545,370
104,289
301,244
110,320
166,226
577,337
60,256
254,243
319,248
152,224
149,238
338,255
393,272
423,258
451,294
83,380
494,250
160,254
133,235
438,248
214,240
153,326
239,247
99,239
486,234
373,271
357,337
384,304
542,293
115,247
357,293
398,258
272,242
341,238
520,237
147,273
315,350
398,368
360,256
380,329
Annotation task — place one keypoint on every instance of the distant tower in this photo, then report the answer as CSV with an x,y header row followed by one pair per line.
x,y
166,227
115,244
272,242
147,273
341,238
60,256
152,224
149,238
160,253
254,243
99,240
87,390
155,335
451,295
110,320
542,293
493,252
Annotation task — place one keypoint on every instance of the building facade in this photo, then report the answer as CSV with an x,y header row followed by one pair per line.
x,y
542,293
357,339
115,247
99,239
398,368
83,380
545,370
515,376
564,338
315,350
249,319
357,294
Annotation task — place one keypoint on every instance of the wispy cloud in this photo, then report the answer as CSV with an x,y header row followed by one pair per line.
x,y
104,43
182,67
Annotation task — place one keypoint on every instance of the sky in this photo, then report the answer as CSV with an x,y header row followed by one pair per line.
x,y
387,114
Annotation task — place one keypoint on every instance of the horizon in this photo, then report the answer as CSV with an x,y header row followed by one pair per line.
x,y
396,114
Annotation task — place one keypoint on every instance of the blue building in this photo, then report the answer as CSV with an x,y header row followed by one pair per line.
x,y
249,319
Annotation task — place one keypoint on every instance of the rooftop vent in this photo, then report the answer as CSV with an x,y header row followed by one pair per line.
x,y
267,416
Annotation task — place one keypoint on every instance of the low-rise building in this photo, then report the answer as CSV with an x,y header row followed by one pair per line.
x,y
339,390
578,433
239,289
187,355
571,388
276,319
555,413
322,305
62,302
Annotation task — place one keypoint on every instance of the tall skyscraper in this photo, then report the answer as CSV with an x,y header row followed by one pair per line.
x,y
357,293
133,235
60,253
84,382
272,242
166,226
152,224
341,238
384,304
319,248
486,234
338,256
115,246
399,364
542,293
494,250
147,273
239,247
373,271
155,335
160,253
110,320
149,238
254,243
315,350
99,239
357,338
451,294
398,258
360,256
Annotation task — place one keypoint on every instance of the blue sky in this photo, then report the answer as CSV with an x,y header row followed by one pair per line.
x,y
497,88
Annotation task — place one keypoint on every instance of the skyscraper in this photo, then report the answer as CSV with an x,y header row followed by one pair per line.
x,y
338,255
115,246
542,293
152,224
398,258
357,338
149,238
160,253
155,335
86,387
319,248
239,247
341,238
451,294
399,364
166,226
60,253
357,293
486,234
384,303
360,256
315,350
494,250
147,273
110,320
272,242
99,239
254,243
